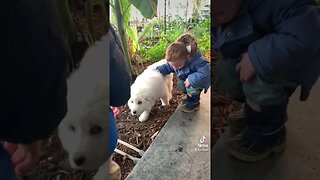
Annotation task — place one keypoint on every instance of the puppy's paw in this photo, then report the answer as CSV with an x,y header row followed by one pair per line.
x,y
144,116
109,170
165,102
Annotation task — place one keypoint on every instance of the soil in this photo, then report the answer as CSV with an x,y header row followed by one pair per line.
x,y
221,107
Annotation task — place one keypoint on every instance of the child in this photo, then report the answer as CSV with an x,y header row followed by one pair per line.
x,y
193,70
268,48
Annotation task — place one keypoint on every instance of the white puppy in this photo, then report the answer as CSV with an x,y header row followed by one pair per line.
x,y
84,130
147,88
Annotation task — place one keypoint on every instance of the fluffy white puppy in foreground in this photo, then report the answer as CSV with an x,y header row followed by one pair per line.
x,y
147,88
84,130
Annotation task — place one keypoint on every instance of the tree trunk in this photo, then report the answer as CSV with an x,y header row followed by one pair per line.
x,y
165,16
186,16
122,33
66,21
89,14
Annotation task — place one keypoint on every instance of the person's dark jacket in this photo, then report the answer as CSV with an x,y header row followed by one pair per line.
x,y
32,71
120,81
281,37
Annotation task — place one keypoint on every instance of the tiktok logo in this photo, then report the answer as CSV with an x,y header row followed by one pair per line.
x,y
202,146
202,139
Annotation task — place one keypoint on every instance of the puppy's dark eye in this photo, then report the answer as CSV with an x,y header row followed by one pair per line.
x,y
131,101
139,102
95,129
72,128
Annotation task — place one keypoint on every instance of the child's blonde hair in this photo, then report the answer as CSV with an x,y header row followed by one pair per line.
x,y
176,50
185,45
189,39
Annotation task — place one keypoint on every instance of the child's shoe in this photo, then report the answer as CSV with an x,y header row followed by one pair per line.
x,y
252,152
264,134
192,103
236,121
186,108
184,100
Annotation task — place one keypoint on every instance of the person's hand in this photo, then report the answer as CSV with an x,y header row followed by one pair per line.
x,y
116,111
186,83
24,156
245,69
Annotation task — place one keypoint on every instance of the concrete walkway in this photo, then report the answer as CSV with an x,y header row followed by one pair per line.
x,y
300,161
177,153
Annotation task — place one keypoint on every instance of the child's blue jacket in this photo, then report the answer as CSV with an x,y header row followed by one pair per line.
x,y
197,70
281,37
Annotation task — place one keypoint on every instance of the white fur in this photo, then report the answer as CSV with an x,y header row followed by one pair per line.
x,y
87,111
147,88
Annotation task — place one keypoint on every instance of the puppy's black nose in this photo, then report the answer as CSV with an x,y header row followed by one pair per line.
x,y
134,112
79,160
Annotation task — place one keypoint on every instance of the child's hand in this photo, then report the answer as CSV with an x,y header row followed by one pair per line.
x,y
24,156
116,111
245,69
186,83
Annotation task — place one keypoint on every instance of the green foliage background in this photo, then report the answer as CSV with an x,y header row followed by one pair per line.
x,y
155,42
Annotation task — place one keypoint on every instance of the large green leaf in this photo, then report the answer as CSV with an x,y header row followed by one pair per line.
x,y
125,11
148,8
147,29
113,18
133,35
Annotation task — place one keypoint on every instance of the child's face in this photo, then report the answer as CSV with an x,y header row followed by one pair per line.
x,y
225,10
178,63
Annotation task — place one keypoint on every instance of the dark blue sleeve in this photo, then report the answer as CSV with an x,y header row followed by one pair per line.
x,y
165,69
295,38
113,133
202,75
120,79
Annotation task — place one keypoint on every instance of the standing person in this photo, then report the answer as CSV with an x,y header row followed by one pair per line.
x,y
33,77
120,81
267,48
193,70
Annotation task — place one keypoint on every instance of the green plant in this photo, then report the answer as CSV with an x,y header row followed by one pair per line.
x,y
154,44
158,49
68,26
202,33
66,21
121,8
